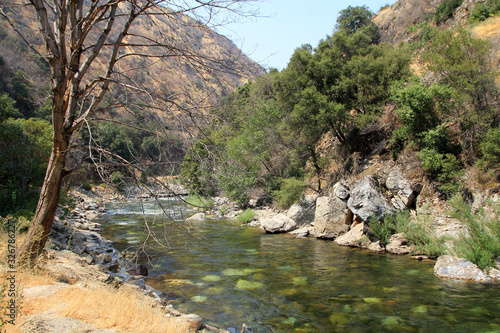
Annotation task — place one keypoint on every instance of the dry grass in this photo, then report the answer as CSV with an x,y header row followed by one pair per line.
x,y
489,28
121,309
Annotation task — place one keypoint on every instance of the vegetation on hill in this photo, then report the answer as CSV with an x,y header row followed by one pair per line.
x,y
365,94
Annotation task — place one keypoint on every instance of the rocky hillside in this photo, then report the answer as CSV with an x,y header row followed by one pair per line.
x,y
397,22
179,79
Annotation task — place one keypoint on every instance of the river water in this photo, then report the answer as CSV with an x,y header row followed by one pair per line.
x,y
231,274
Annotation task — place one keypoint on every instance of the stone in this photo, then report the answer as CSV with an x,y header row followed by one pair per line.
x,y
303,213
199,217
398,244
353,237
138,270
402,191
192,321
366,200
278,223
375,247
450,267
140,283
332,218
341,190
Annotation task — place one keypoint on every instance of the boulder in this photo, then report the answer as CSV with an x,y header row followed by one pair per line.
x,y
138,270
303,213
331,218
191,322
398,244
449,267
199,217
366,200
352,238
402,191
341,190
278,223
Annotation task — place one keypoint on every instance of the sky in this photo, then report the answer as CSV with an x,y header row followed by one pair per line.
x,y
284,25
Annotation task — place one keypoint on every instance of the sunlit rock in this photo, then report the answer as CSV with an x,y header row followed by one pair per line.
x,y
248,285
366,199
332,218
278,223
450,267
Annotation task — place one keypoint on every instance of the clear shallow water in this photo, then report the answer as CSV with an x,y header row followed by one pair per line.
x,y
274,283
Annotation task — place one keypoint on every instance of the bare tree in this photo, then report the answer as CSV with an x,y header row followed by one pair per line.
x,y
86,45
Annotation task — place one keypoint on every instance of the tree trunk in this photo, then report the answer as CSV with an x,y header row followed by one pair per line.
x,y
47,204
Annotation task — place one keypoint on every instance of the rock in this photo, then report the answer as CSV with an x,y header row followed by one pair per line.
x,y
341,190
398,244
303,232
140,283
332,217
449,267
403,193
138,270
375,247
278,223
352,238
197,218
192,322
303,213
246,329
366,200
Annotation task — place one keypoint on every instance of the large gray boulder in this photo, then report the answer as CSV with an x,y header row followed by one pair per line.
x,y
303,212
402,191
449,267
331,218
277,224
366,200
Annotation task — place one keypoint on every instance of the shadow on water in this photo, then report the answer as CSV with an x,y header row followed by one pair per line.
x,y
275,283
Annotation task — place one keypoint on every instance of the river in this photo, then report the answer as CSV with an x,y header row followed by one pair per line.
x,y
231,274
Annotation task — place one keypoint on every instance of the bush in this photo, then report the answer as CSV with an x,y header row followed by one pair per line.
x,y
382,229
481,243
420,234
485,10
290,191
246,216
490,147
446,8
445,167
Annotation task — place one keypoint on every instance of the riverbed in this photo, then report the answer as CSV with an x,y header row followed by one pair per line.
x,y
231,274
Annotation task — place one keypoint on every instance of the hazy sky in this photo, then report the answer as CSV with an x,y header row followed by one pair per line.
x,y
271,40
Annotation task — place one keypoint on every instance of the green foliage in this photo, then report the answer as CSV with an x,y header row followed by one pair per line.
x,y
197,170
199,202
246,216
490,147
290,191
485,10
21,223
481,243
382,229
419,233
446,167
24,151
446,9
7,109
117,178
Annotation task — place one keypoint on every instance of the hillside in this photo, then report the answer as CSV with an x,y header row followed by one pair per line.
x,y
397,22
180,80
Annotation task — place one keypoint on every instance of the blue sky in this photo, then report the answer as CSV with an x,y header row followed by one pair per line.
x,y
287,24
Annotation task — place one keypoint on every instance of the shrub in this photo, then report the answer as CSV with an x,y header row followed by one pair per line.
x,y
382,229
446,8
420,234
445,167
490,147
246,216
485,10
290,191
481,243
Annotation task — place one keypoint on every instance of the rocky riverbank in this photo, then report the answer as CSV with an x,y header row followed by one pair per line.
x,y
342,215
78,257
